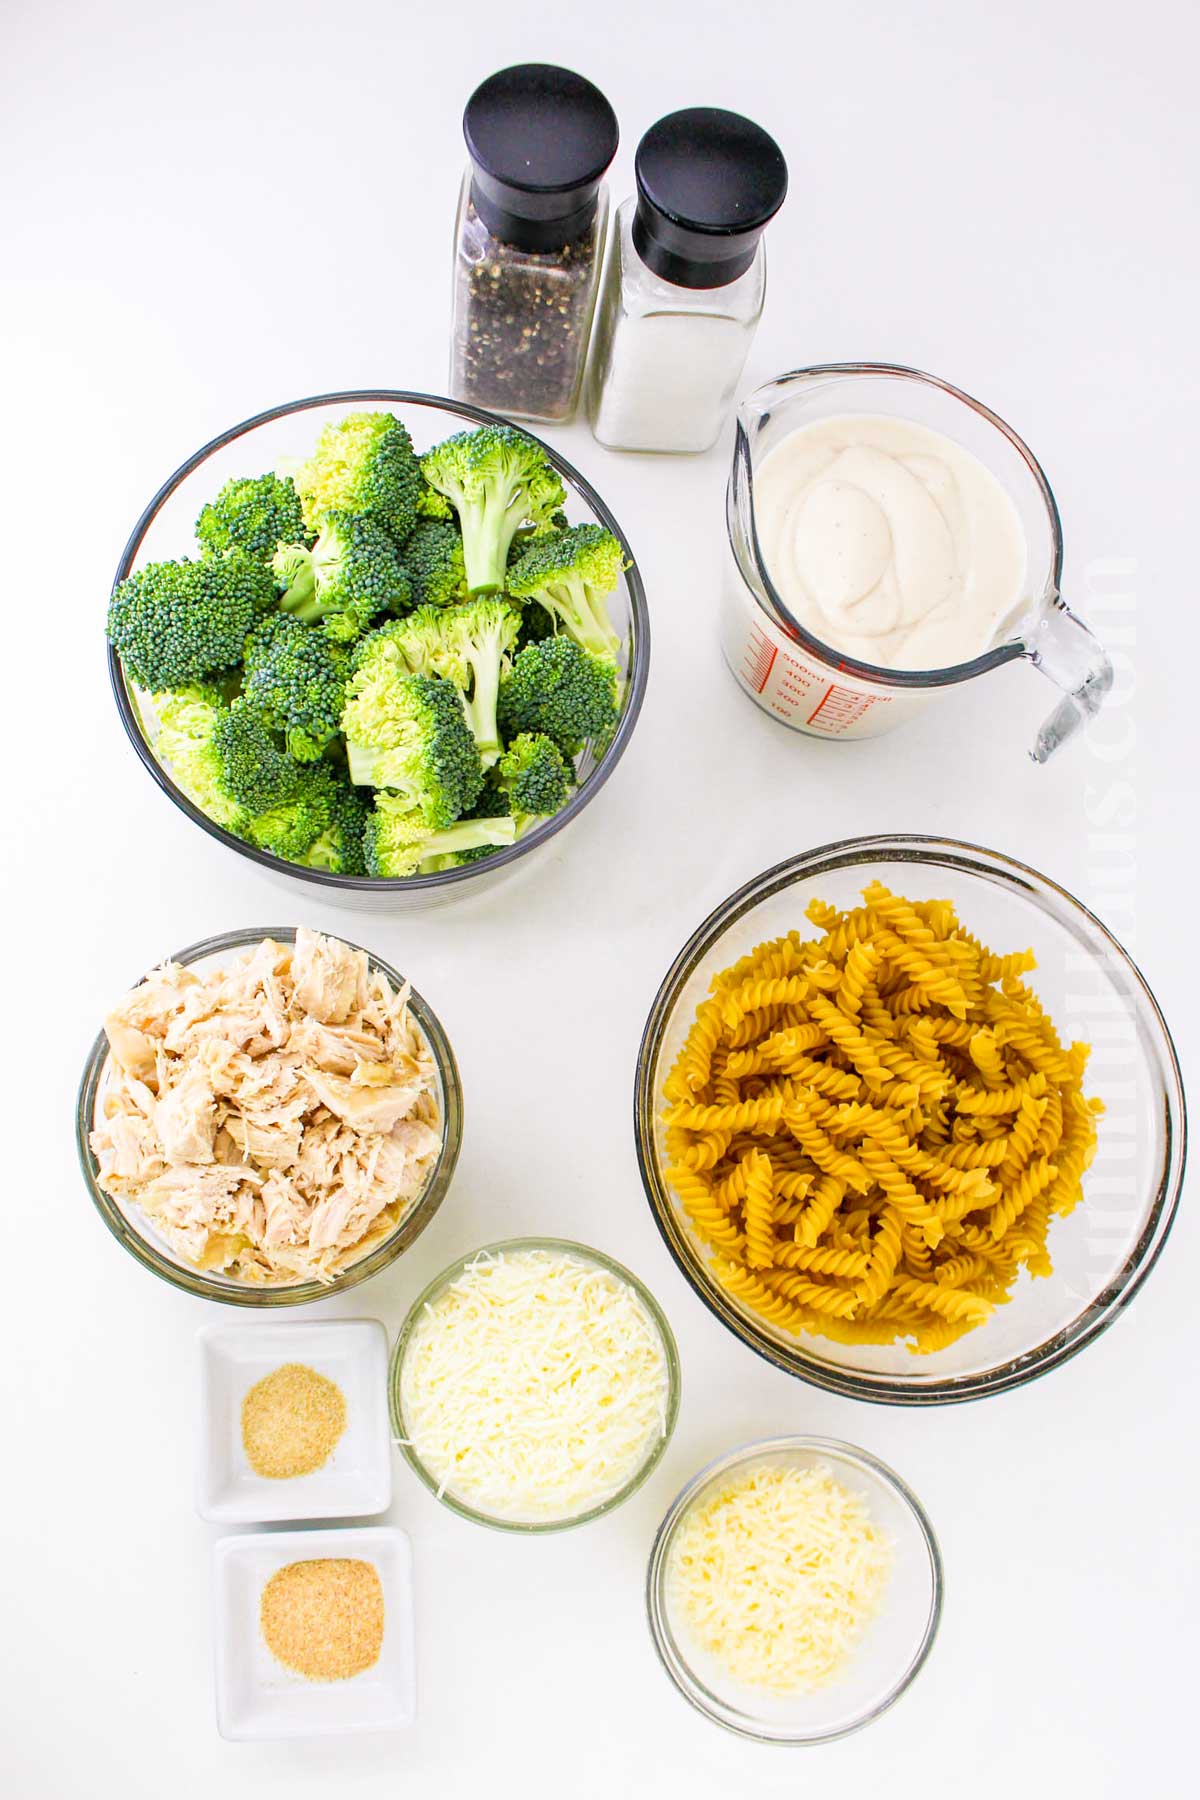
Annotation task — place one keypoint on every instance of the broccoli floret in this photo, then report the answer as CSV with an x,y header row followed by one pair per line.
x,y
571,573
291,828
339,847
424,642
497,479
409,733
223,757
174,623
227,762
556,688
363,464
398,842
433,561
535,778
296,679
431,504
484,632
468,645
184,740
352,574
254,514
257,773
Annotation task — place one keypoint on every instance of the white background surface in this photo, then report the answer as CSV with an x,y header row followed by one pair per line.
x,y
211,209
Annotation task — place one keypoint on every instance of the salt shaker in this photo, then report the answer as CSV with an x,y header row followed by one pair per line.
x,y
529,240
685,282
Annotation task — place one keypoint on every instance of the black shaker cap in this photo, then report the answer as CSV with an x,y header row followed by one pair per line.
x,y
708,183
539,138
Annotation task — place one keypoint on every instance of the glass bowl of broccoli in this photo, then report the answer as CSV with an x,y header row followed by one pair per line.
x,y
380,643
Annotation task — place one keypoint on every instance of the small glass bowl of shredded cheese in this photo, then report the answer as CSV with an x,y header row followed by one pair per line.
x,y
534,1385
794,1590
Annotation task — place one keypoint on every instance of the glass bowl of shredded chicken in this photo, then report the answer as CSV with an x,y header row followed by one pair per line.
x,y
269,1117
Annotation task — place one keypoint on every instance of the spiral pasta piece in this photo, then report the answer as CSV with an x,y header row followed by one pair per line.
x,y
756,1211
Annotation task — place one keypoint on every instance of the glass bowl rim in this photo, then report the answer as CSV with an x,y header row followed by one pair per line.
x,y
1099,1313
199,1281
739,1457
565,1246
639,666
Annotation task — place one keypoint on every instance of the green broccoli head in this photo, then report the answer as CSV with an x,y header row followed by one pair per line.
x,y
339,845
253,514
425,643
571,573
497,479
351,574
399,842
431,504
174,623
256,772
291,827
222,756
296,679
185,722
535,777
409,733
433,560
363,464
557,688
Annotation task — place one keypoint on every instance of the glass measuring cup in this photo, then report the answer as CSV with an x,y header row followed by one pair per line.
x,y
816,689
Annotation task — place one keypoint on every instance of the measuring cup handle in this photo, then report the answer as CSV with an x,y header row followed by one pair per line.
x,y
1062,647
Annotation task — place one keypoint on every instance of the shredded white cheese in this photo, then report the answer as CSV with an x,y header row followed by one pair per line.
x,y
535,1386
778,1575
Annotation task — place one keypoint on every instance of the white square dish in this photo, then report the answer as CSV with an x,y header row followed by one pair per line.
x,y
355,1482
257,1697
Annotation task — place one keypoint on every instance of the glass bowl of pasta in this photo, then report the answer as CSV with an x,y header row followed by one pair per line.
x,y
909,1120
794,1590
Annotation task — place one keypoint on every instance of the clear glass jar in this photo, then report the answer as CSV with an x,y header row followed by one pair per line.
x,y
521,318
667,359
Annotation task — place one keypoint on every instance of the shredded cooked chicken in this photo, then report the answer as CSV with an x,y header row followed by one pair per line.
x,y
274,1119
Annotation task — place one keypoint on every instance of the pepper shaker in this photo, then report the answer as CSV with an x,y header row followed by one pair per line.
x,y
686,278
528,240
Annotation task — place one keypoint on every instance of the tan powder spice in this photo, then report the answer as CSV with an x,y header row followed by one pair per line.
x,y
324,1618
291,1421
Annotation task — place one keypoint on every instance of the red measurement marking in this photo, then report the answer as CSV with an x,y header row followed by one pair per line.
x,y
760,662
767,671
820,703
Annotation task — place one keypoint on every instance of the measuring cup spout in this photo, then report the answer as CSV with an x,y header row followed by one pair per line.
x,y
1062,647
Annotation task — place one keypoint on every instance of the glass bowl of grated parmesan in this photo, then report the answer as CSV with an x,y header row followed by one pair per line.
x,y
534,1385
794,1590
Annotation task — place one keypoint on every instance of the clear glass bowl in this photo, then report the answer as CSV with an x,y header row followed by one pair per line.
x,y
281,437
1102,1252
138,1235
557,1247
897,1641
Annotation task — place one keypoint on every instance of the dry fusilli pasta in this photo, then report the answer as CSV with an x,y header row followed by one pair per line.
x,y
873,1128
